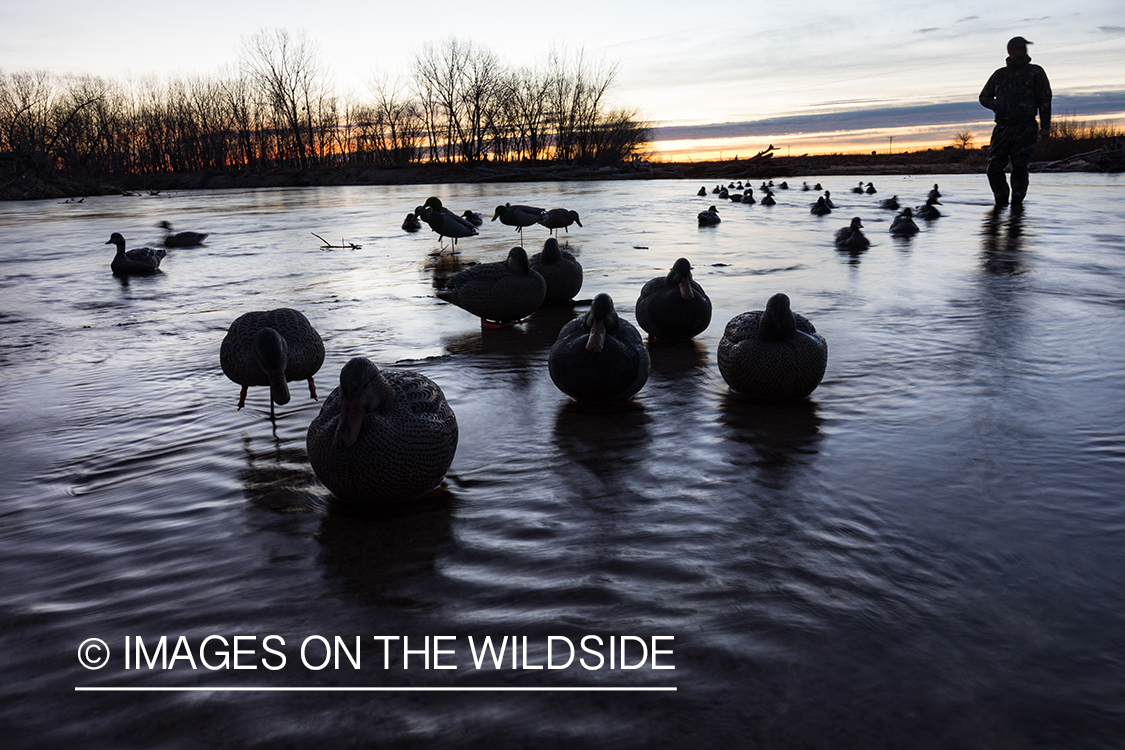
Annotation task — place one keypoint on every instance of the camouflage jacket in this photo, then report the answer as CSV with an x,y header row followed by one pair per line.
x,y
1017,91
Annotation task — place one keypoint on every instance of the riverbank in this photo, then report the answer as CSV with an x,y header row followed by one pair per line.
x,y
17,183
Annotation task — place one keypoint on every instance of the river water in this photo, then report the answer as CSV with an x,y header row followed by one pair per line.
x,y
928,552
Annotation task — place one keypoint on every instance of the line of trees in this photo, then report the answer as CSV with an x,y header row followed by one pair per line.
x,y
277,108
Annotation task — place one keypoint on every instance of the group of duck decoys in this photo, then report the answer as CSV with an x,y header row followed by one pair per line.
x,y
383,437
456,226
849,238
142,260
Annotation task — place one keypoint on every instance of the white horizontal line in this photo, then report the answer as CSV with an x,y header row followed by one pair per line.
x,y
373,689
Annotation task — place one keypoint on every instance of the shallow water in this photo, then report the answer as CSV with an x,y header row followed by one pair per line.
x,y
926,553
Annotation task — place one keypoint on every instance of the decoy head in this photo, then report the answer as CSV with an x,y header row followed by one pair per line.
x,y
551,251
857,223
680,276
500,211
165,225
117,239
271,353
433,202
776,321
517,261
601,320
574,217
907,213
363,389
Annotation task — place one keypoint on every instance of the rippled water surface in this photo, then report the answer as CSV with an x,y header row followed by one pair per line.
x,y
929,552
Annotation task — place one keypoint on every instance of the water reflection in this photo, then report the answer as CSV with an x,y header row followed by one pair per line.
x,y
609,442
781,436
278,477
388,559
1002,241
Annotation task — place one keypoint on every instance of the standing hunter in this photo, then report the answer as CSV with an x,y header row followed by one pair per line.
x,y
1016,93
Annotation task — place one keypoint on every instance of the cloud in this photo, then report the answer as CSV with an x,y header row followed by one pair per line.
x,y
948,113
927,30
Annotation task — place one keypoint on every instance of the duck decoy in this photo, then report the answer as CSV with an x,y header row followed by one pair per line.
x,y
859,188
673,307
891,204
560,270
820,208
709,218
702,192
383,437
447,224
518,216
271,347
772,354
783,186
935,193
181,239
903,225
927,211
851,238
870,189
139,260
716,189
411,223
473,217
805,186
599,358
499,293
748,196
828,198
559,218
768,199
817,187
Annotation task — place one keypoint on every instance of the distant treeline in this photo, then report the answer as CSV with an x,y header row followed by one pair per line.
x,y
277,108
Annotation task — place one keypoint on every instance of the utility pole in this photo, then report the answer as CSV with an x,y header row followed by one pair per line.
x,y
891,146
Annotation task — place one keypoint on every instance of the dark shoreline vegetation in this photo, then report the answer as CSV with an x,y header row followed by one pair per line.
x,y
460,116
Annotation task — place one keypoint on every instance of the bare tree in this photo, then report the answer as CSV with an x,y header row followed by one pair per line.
x,y
289,77
963,140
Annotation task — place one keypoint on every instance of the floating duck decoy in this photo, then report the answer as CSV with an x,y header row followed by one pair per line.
x,y
828,198
560,270
928,212
702,192
383,437
820,208
673,307
139,260
805,186
709,218
411,223
772,354
935,193
473,217
817,187
559,218
271,347
518,216
783,186
768,199
903,225
859,188
599,358
748,196
498,293
891,204
716,189
870,189
851,238
181,239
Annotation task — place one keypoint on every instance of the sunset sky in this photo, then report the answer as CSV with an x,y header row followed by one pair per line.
x,y
753,73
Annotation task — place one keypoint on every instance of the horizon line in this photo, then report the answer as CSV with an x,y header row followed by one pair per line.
x,y
375,689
